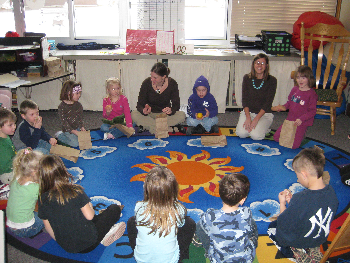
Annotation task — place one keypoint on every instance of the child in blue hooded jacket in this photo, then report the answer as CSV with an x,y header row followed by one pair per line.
x,y
202,109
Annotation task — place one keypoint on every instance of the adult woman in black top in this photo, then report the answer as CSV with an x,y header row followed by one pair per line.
x,y
158,94
258,93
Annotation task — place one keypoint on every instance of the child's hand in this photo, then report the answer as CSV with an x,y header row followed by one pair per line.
x,y
74,132
147,109
82,129
53,141
288,195
207,113
38,122
297,122
108,109
282,197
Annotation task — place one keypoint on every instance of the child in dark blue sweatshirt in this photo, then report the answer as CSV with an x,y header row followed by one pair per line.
x,y
202,109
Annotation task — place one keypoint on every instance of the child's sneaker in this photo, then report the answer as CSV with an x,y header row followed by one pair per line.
x,y
114,234
108,136
58,134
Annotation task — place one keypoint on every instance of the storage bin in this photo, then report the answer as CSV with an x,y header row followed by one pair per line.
x,y
276,42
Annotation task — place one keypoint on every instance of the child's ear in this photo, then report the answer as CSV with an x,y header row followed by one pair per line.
x,y
305,175
23,116
242,201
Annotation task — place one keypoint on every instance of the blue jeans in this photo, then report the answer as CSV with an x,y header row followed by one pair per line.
x,y
207,123
69,138
43,146
114,131
32,230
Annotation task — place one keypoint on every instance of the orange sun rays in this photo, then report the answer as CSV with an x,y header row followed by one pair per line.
x,y
191,173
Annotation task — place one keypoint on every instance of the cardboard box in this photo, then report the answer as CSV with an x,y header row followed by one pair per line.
x,y
33,75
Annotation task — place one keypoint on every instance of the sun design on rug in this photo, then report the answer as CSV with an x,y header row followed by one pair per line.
x,y
191,174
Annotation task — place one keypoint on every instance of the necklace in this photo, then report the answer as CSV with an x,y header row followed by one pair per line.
x,y
262,83
158,90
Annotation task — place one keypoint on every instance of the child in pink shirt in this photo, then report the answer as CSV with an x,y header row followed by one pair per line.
x,y
116,110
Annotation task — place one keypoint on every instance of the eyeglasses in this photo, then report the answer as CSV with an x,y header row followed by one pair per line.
x,y
260,63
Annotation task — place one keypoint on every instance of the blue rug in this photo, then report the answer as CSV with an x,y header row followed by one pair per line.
x,y
113,172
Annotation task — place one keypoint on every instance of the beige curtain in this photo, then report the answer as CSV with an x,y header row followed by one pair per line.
x,y
133,73
186,72
93,74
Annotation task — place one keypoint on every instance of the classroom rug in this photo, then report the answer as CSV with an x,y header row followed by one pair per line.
x,y
113,171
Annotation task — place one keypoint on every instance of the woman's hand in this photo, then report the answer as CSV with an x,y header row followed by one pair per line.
x,y
278,108
247,124
82,129
167,110
254,123
147,109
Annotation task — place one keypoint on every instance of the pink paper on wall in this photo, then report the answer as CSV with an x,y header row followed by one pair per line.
x,y
141,41
165,42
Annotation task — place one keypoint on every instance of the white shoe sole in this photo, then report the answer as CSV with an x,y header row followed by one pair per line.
x,y
114,234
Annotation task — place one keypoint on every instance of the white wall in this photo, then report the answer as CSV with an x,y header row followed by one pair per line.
x,y
345,14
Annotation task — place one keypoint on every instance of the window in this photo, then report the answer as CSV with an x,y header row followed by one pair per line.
x,y
249,17
207,22
200,22
49,17
7,21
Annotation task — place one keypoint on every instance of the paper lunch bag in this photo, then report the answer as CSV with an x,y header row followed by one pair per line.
x,y
162,126
287,134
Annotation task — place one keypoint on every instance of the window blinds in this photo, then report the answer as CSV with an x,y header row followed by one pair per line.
x,y
249,17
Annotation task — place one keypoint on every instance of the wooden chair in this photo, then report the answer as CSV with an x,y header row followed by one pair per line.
x,y
339,38
340,242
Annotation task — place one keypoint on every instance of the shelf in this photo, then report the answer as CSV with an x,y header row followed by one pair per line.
x,y
12,50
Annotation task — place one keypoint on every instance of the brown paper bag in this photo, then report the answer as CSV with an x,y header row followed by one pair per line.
x,y
65,152
287,134
124,129
162,126
214,140
84,139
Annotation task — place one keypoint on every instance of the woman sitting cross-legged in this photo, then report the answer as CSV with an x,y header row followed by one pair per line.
x,y
158,94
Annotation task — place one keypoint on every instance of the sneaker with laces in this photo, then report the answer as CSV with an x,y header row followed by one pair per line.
x,y
114,234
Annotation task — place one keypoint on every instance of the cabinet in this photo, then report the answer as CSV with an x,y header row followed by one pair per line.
x,y
19,53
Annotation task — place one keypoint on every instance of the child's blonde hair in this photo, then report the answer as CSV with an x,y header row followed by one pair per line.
x,y
26,164
163,209
67,89
55,179
6,116
311,160
113,81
